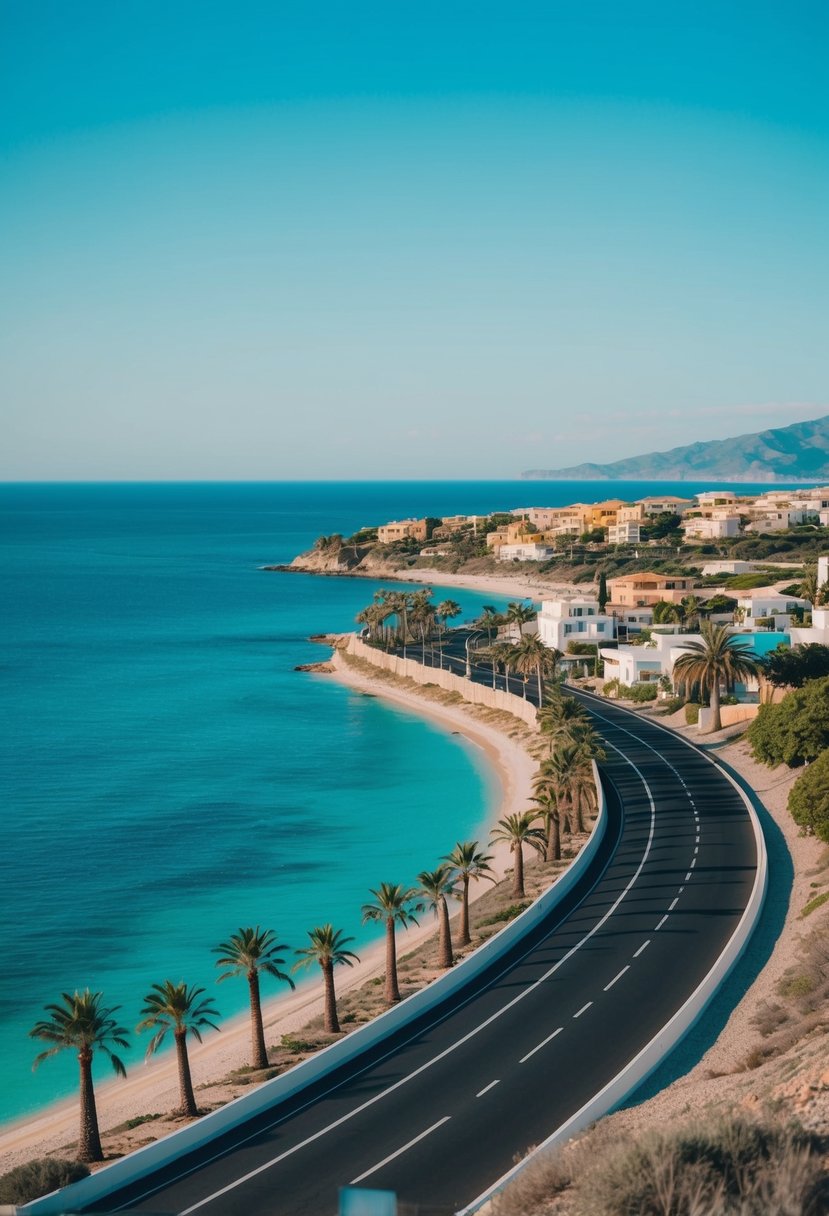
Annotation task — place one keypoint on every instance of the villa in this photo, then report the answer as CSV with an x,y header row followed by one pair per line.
x,y
641,590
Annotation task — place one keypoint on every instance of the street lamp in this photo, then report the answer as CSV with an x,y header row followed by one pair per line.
x,y
468,662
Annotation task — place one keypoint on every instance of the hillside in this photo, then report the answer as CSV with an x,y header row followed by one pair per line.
x,y
791,453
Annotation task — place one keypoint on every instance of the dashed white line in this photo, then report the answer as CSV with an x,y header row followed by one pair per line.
x,y
617,977
642,948
487,1088
693,862
696,850
583,1009
538,1046
661,923
674,904
399,1151
688,876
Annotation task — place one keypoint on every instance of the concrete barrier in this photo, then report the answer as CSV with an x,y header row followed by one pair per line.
x,y
654,1052
476,694
729,714
138,1165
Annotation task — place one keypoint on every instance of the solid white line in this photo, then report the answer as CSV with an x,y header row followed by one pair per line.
x,y
674,904
617,977
583,1009
643,947
543,1043
661,923
392,1156
487,1088
470,1034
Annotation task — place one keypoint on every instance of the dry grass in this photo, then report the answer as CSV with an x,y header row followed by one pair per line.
x,y
713,1167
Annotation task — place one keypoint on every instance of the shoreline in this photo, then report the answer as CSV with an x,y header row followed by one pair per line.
x,y
153,1087
524,586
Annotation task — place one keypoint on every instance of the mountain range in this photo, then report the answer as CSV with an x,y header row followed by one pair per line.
x,y
799,452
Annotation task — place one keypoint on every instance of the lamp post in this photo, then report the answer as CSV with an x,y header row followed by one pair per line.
x,y
468,661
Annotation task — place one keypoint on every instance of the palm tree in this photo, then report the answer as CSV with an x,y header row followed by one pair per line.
x,y
328,949
692,606
469,864
446,611
531,655
718,659
435,885
249,952
83,1024
549,812
500,655
558,718
518,614
517,830
423,615
808,588
489,620
176,1007
394,906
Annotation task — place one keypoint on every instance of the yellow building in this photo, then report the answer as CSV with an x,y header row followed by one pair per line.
x,y
400,529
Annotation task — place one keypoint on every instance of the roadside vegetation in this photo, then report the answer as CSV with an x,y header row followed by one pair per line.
x,y
713,1166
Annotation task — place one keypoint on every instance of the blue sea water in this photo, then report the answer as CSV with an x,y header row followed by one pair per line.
x,y
167,775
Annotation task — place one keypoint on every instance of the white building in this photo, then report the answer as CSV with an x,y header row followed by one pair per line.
x,y
530,552
575,619
819,629
627,533
769,605
726,567
715,528
781,519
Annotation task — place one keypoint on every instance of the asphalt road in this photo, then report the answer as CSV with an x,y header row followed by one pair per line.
x,y
443,1109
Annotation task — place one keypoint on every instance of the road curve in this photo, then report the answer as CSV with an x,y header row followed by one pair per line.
x,y
443,1108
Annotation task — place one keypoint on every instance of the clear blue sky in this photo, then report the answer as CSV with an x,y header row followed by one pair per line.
x,y
269,240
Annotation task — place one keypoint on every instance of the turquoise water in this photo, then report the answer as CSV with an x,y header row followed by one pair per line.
x,y
167,776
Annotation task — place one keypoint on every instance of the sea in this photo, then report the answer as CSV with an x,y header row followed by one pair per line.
x,y
167,776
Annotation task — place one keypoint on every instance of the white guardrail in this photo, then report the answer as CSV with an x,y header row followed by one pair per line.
x,y
144,1161
654,1052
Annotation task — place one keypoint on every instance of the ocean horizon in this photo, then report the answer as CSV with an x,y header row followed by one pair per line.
x,y
168,776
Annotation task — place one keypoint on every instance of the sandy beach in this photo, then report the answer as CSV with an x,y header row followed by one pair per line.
x,y
518,586
153,1087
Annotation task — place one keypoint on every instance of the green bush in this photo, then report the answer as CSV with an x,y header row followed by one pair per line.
x,y
640,693
672,704
39,1177
809,799
796,730
692,713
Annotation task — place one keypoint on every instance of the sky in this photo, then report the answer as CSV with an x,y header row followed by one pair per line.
x,y
360,240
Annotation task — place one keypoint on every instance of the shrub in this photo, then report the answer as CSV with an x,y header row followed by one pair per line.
x,y
712,1167
809,799
794,731
39,1177
671,704
640,693
506,914
692,713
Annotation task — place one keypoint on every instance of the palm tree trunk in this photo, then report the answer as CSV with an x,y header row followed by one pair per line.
x,y
330,1020
445,959
185,1084
518,873
392,991
553,838
89,1140
538,677
258,1053
463,933
716,719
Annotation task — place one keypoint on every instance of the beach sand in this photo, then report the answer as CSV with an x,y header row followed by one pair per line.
x,y
153,1088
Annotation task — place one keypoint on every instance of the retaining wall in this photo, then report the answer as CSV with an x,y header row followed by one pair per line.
x,y
139,1164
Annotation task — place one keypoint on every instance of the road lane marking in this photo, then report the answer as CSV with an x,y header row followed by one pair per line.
x,y
673,904
400,1151
693,862
617,977
661,923
452,1046
543,1043
583,1009
688,876
487,1088
642,948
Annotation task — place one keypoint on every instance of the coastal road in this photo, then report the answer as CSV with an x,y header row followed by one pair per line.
x,y
441,1110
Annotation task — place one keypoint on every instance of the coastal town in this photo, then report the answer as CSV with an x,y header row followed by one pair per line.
x,y
625,587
